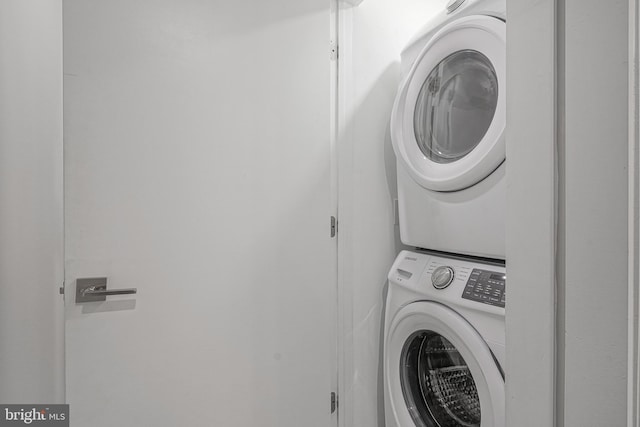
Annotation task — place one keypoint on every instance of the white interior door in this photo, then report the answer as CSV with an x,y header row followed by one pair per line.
x,y
197,170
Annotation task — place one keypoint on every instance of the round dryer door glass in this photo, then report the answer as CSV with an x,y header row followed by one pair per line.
x,y
455,106
437,384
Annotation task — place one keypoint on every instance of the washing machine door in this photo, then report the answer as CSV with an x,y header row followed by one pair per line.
x,y
440,372
448,120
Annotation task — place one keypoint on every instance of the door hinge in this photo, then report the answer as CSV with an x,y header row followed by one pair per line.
x,y
62,289
396,212
334,402
333,50
334,226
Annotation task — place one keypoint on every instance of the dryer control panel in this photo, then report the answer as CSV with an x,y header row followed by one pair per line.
x,y
487,287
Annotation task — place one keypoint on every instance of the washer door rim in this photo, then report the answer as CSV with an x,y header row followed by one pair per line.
x,y
433,316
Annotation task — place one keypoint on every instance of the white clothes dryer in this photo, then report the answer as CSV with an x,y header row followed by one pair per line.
x,y
444,342
448,132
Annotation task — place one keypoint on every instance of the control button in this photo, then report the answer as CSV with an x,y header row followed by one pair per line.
x,y
442,277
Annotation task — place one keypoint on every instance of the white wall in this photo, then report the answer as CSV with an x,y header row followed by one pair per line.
x,y
372,35
31,264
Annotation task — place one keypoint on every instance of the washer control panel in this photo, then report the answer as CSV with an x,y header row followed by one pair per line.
x,y
487,287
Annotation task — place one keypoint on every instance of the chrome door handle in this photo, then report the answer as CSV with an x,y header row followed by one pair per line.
x,y
95,289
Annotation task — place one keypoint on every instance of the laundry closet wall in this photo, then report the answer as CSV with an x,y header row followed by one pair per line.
x,y
371,36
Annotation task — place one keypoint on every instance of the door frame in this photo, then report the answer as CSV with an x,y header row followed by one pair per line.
x,y
555,265
633,284
531,213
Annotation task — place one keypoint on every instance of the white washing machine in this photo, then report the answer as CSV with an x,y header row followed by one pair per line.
x,y
444,342
448,132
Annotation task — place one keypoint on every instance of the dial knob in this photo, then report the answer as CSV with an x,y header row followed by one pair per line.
x,y
442,277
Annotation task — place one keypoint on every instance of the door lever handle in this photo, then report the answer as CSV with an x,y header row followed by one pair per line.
x,y
95,289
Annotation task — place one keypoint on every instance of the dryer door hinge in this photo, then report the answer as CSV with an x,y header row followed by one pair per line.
x,y
334,402
334,226
333,50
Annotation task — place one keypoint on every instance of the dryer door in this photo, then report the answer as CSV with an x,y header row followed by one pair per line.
x,y
448,119
440,372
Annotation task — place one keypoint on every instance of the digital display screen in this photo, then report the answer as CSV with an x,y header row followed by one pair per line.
x,y
498,277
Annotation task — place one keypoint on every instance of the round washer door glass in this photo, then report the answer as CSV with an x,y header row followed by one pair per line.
x,y
455,106
437,384
449,118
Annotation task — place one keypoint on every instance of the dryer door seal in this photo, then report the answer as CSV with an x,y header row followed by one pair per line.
x,y
440,372
448,120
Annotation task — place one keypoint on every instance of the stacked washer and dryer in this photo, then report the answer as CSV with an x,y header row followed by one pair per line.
x,y
444,338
